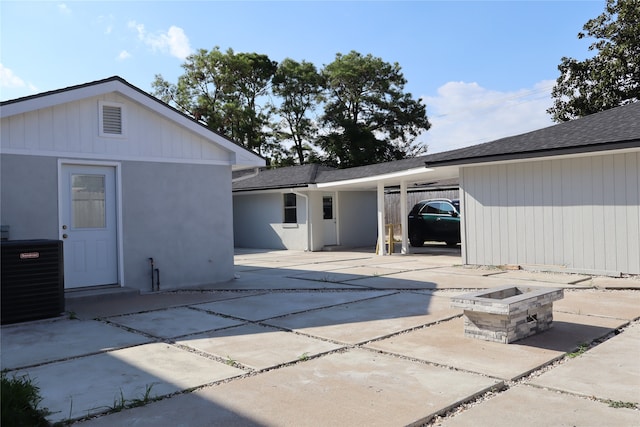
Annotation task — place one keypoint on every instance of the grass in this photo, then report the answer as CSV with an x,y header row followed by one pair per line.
x,y
621,404
582,348
304,356
21,403
120,403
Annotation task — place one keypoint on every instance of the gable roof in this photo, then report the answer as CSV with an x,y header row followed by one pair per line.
x,y
243,157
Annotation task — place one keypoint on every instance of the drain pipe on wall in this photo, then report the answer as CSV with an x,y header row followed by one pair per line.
x,y
152,267
309,235
155,273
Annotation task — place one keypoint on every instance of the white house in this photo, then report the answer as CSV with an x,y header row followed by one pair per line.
x,y
312,207
561,198
121,178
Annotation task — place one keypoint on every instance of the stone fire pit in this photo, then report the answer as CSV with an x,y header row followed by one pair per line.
x,y
508,313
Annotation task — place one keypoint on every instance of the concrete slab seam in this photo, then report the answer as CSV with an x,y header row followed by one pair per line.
x,y
524,380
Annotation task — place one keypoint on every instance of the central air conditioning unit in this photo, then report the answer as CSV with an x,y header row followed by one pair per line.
x,y
32,280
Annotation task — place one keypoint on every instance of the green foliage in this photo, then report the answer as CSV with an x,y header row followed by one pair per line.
x,y
609,79
620,404
20,399
299,85
270,108
582,348
370,117
222,89
231,362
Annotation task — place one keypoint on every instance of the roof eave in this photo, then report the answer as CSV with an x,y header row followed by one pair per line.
x,y
583,149
241,157
274,188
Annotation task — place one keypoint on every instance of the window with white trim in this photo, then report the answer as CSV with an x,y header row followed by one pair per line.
x,y
111,119
290,209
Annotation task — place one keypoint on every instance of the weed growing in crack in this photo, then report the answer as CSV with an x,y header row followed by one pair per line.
x,y
620,404
120,403
231,362
582,348
146,397
304,356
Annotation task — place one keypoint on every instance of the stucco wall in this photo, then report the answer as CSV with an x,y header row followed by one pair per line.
x,y
258,222
581,214
178,214
29,196
181,216
357,218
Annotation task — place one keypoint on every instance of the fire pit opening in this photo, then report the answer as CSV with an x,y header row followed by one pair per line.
x,y
505,293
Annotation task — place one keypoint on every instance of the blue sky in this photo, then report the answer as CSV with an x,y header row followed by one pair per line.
x,y
485,69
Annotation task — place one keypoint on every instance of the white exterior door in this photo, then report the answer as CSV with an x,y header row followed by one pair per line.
x,y
88,225
329,223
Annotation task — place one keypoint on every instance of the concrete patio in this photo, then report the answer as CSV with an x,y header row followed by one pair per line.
x,y
335,338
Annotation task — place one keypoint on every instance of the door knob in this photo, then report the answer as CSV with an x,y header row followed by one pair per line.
x,y
64,236
64,227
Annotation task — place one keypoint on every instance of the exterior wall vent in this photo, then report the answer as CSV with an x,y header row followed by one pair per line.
x,y
111,119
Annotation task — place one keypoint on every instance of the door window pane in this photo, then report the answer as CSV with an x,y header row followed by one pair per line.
x,y
327,207
88,201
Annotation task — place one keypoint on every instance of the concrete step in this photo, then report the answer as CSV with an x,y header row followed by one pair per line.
x,y
98,292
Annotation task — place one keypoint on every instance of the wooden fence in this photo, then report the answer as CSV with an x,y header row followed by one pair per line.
x,y
392,201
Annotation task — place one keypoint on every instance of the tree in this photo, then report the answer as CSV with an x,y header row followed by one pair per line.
x,y
223,90
368,116
609,79
299,85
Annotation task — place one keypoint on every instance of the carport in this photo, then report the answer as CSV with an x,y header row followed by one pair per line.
x,y
402,174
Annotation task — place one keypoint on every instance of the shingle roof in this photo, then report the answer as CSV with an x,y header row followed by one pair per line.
x,y
612,129
287,177
607,130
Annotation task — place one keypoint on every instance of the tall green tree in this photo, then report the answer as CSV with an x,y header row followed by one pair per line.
x,y
368,117
224,90
299,87
610,78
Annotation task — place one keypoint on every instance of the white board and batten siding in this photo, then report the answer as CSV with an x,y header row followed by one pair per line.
x,y
72,130
580,214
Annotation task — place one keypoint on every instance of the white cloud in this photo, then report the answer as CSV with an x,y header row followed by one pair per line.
x,y
9,80
464,114
174,41
178,42
64,9
124,55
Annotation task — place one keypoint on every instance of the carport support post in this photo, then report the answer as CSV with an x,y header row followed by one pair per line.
x,y
382,250
404,222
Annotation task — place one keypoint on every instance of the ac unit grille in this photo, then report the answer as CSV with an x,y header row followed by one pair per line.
x,y
32,284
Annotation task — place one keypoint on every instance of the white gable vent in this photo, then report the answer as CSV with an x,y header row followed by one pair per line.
x,y
111,119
